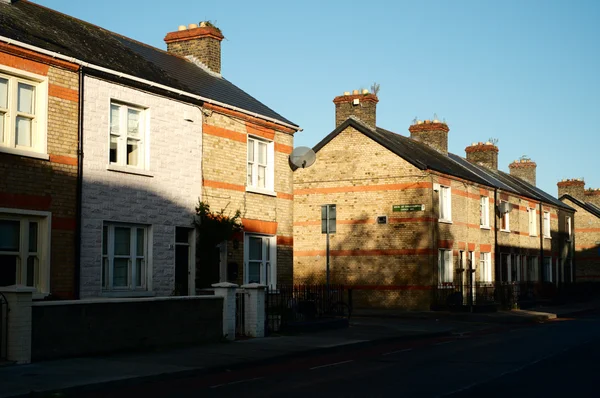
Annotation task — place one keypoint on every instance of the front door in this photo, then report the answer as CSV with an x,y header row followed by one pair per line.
x,y
183,259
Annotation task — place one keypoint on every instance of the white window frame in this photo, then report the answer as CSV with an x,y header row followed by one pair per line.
x,y
123,137
569,225
546,224
107,259
485,267
532,216
43,219
445,267
484,212
268,265
505,216
445,204
532,269
252,183
39,144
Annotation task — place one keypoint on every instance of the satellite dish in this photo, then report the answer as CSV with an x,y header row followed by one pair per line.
x,y
302,157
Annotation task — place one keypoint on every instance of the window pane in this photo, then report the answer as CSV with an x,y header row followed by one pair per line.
x,y
140,242
113,148
23,131
33,237
255,248
122,241
1,127
133,152
25,98
3,93
32,271
181,235
254,272
9,235
249,173
114,119
8,270
105,272
133,122
250,150
105,240
262,176
262,153
120,272
139,272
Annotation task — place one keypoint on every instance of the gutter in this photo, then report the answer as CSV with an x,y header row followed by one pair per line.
x,y
144,81
78,211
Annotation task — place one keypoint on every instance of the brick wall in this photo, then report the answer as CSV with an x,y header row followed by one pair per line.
x,y
163,198
48,185
203,43
587,244
224,183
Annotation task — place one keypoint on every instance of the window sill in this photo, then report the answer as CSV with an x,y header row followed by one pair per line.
x,y
261,191
127,294
486,227
129,170
444,221
533,236
24,152
505,230
547,237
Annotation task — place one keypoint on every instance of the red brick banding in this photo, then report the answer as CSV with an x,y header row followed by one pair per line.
x,y
570,183
481,148
522,165
428,126
195,33
349,98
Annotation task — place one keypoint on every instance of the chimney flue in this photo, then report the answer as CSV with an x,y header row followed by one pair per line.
x,y
362,106
524,169
431,132
484,154
202,44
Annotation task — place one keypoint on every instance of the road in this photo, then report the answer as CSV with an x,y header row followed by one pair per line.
x,y
551,359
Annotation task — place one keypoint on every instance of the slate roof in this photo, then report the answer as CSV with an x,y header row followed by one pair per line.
x,y
53,31
423,157
587,206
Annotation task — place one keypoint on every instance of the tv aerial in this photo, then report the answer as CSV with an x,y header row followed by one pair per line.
x,y
301,158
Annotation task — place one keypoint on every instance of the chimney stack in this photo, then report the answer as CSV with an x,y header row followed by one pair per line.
x,y
524,169
362,105
201,43
592,195
483,154
431,132
572,186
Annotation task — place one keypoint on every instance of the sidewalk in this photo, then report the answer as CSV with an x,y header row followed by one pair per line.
x,y
71,375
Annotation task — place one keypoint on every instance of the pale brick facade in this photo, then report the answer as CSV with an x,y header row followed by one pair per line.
x,y
160,198
41,186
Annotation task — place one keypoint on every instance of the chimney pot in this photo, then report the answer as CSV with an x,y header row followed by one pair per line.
x,y
192,26
345,106
181,27
355,92
484,154
346,92
432,133
365,91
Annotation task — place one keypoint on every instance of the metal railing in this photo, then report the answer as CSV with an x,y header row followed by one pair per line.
x,y
240,313
287,304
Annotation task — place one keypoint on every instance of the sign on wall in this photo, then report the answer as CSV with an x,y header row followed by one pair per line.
x,y
408,207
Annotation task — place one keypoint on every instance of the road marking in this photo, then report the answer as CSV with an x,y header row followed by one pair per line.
x,y
331,364
236,382
397,351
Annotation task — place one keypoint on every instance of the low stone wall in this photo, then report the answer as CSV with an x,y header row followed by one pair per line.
x,y
97,326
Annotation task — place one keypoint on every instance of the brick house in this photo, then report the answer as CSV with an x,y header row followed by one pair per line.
x,y
414,220
159,130
586,202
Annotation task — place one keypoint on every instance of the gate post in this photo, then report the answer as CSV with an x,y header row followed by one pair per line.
x,y
18,341
227,291
255,310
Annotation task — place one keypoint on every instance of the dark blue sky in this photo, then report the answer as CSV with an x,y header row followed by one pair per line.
x,y
523,72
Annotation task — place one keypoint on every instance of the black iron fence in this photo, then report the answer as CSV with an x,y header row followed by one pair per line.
x,y
288,304
240,313
505,295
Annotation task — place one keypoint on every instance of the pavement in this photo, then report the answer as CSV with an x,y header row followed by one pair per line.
x,y
368,327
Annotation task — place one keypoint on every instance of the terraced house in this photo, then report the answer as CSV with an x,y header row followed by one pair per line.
x,y
586,233
417,226
108,144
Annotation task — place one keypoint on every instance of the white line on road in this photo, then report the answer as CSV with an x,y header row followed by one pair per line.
x,y
398,351
236,382
331,364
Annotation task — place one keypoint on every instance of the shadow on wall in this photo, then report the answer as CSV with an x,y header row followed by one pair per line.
x,y
392,265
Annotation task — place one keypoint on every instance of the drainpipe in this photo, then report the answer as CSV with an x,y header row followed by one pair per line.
x,y
434,226
78,219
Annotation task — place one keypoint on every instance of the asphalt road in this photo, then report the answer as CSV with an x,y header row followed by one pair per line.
x,y
551,359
